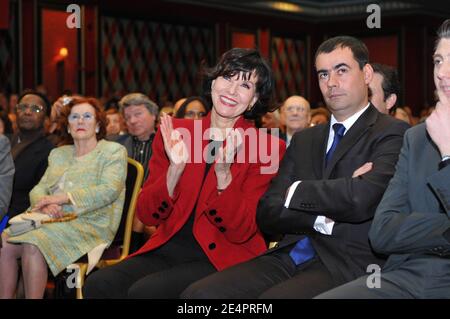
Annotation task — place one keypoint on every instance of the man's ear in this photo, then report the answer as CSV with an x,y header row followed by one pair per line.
x,y
368,73
390,101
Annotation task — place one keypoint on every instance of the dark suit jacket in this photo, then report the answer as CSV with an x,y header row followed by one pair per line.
x,y
6,175
30,164
224,224
412,221
332,192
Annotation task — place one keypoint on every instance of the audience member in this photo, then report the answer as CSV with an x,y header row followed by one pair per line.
x,y
86,177
194,107
384,88
412,224
297,113
326,191
204,207
319,115
29,148
140,114
116,123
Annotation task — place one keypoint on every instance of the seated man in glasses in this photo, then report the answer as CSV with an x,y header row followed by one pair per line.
x,y
29,148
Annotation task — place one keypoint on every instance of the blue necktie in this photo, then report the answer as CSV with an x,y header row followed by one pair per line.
x,y
339,130
303,250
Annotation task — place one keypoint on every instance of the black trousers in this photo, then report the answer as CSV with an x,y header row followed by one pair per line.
x,y
271,276
160,274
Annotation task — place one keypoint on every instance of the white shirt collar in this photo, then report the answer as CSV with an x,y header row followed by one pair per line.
x,y
348,123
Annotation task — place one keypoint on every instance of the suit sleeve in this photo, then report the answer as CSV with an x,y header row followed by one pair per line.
x,y
6,175
396,229
344,199
154,203
234,210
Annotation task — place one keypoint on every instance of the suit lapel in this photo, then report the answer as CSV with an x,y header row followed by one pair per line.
x,y
129,145
319,148
358,129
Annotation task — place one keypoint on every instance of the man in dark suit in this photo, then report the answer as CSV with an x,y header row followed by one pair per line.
x,y
326,191
29,148
412,222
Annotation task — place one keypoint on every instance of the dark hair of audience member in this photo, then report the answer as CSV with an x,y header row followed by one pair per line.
x,y
246,61
182,110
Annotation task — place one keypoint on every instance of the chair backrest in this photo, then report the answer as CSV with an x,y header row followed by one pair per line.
x,y
135,177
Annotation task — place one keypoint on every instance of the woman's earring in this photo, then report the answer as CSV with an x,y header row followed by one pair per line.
x,y
97,129
68,130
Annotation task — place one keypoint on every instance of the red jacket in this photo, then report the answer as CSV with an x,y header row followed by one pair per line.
x,y
224,225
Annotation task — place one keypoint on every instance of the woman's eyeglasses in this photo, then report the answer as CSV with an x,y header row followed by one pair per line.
x,y
33,107
74,117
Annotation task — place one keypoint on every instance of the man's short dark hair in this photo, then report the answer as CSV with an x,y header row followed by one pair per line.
x,y
390,83
358,48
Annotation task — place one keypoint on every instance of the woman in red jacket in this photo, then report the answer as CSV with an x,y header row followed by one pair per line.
x,y
206,177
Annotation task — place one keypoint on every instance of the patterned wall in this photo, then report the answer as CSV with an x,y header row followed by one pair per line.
x,y
289,67
8,44
160,60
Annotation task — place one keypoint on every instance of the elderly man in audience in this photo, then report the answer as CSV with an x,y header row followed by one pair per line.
x,y
297,113
29,148
326,191
140,114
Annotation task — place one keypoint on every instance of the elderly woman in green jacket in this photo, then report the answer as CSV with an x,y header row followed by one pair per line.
x,y
86,178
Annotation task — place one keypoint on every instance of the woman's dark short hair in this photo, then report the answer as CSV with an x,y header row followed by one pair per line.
x,y
182,110
100,117
239,60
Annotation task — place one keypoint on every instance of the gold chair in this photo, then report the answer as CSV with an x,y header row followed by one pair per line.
x,y
120,246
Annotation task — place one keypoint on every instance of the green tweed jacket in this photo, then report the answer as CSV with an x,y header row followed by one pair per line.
x,y
96,182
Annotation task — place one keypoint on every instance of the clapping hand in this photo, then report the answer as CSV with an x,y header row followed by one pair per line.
x,y
176,151
173,143
225,158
